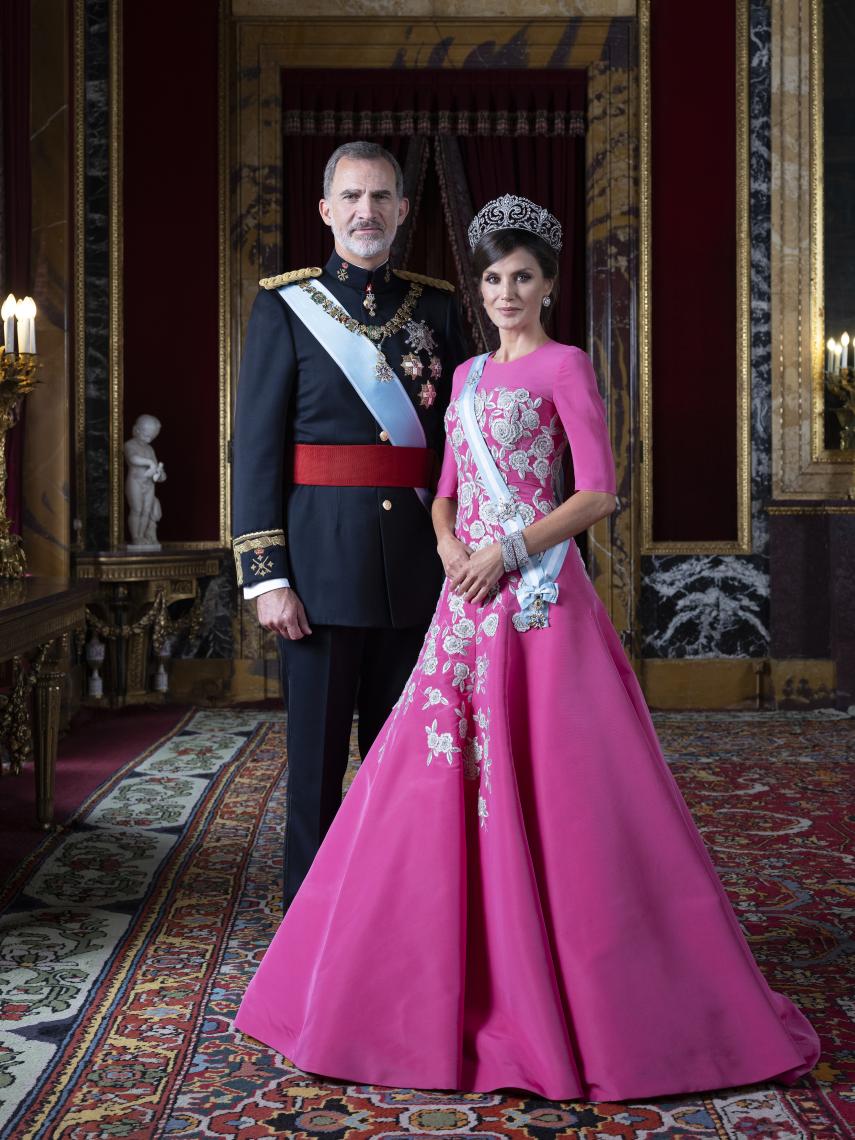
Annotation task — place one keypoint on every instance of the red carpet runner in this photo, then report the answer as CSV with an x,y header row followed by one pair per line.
x,y
128,939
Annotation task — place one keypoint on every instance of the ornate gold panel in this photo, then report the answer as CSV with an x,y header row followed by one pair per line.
x,y
264,45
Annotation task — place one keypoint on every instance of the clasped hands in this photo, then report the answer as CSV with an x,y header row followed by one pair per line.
x,y
472,573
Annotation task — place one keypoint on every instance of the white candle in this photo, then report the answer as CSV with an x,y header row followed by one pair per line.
x,y
829,354
844,343
8,314
838,351
29,307
21,332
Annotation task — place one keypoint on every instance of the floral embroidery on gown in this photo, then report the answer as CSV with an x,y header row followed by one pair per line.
x,y
513,893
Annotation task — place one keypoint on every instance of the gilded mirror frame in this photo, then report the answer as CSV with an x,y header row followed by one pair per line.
x,y
802,467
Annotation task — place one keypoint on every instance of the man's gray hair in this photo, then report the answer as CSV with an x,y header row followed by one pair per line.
x,y
362,148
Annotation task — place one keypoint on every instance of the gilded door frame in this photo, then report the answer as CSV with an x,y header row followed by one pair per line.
x,y
606,48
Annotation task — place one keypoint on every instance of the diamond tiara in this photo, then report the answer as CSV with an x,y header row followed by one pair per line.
x,y
511,212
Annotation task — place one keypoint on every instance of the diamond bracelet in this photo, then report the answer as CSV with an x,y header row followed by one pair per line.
x,y
514,552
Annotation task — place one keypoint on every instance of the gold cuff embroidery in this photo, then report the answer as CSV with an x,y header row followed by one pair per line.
x,y
257,542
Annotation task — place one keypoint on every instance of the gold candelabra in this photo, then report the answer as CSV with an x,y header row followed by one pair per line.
x,y
841,385
17,378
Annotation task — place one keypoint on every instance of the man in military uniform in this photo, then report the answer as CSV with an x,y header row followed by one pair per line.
x,y
345,378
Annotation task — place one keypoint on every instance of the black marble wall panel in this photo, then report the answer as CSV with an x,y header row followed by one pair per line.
x,y
95,509
841,552
801,606
718,606
760,188
705,606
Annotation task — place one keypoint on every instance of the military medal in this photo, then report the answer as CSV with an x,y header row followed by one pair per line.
x,y
411,365
383,370
435,368
369,301
427,394
419,337
342,271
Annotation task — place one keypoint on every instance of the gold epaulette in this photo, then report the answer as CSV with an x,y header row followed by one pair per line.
x,y
289,278
420,279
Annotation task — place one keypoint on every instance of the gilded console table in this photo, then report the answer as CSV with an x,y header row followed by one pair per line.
x,y
35,615
134,592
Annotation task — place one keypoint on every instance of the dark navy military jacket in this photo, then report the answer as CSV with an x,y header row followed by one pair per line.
x,y
351,560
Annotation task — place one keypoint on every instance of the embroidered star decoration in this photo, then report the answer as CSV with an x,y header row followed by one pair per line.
x,y
411,365
435,368
427,394
419,337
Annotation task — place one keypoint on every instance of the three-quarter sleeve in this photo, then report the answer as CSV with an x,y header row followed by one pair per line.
x,y
583,415
446,488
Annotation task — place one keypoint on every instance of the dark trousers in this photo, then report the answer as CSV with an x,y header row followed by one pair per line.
x,y
324,676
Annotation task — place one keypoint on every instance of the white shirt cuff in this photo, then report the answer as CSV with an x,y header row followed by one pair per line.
x,y
264,587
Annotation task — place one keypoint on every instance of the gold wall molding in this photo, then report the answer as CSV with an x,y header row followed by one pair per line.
x,y
46,449
116,316
223,278
743,543
78,270
431,9
818,509
801,465
736,682
263,45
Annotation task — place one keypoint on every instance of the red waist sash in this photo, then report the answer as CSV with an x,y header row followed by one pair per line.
x,y
363,465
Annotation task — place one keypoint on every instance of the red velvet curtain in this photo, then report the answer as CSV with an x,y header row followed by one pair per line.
x,y
551,172
16,214
487,133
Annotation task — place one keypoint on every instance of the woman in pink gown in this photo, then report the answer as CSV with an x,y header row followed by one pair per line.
x,y
513,893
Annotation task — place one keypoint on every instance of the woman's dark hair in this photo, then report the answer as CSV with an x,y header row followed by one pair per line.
x,y
500,243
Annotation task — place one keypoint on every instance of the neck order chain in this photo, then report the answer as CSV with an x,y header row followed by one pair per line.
x,y
376,333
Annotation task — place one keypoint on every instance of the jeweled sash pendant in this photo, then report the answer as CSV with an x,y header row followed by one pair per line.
x,y
534,616
383,370
369,301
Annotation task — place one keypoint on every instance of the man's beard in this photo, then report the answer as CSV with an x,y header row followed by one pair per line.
x,y
363,243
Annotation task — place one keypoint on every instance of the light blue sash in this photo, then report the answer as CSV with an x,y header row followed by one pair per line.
x,y
357,357
538,589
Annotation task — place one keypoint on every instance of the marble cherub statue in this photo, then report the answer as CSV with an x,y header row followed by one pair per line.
x,y
144,471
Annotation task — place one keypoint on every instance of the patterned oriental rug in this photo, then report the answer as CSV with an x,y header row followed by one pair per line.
x,y
128,937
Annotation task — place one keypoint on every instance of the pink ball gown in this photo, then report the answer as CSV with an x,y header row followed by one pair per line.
x,y
513,893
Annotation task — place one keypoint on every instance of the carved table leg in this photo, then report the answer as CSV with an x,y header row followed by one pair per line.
x,y
46,707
